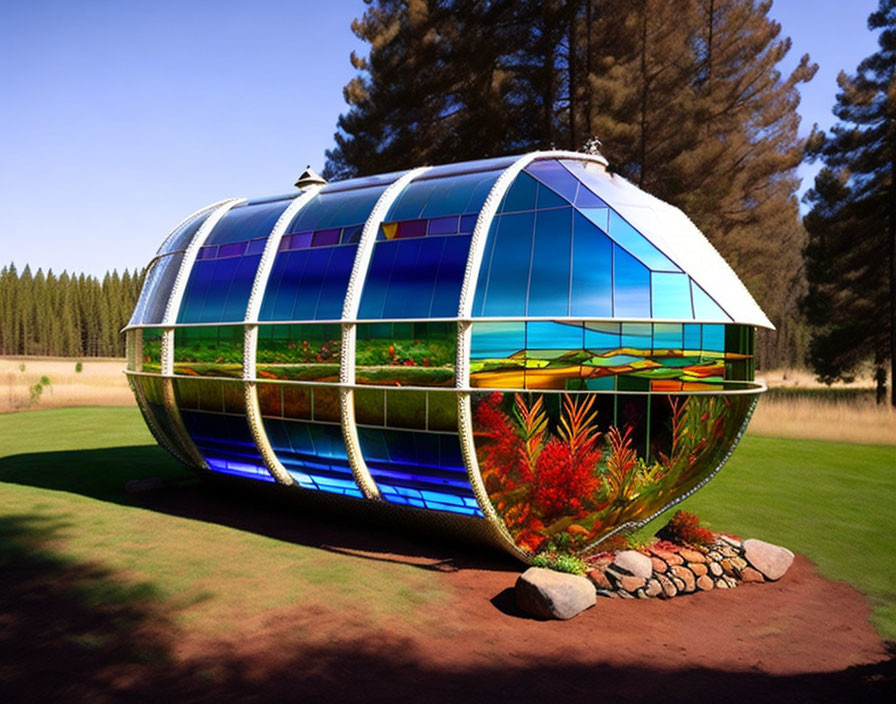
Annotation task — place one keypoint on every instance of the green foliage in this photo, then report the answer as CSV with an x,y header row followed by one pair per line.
x,y
79,367
22,367
560,562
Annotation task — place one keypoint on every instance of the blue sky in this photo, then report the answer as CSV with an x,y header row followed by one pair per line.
x,y
120,118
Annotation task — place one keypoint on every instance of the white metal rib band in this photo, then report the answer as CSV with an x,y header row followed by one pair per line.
x,y
250,336
171,310
359,468
464,312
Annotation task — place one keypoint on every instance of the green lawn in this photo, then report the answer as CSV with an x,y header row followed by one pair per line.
x,y
62,499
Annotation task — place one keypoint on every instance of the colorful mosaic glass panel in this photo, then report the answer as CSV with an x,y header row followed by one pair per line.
x,y
406,354
310,352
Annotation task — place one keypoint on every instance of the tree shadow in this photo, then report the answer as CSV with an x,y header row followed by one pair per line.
x,y
73,631
363,529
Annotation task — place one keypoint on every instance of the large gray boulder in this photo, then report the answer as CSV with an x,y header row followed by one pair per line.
x,y
548,594
771,560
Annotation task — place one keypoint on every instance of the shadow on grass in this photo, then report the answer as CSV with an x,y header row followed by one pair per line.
x,y
72,632
361,529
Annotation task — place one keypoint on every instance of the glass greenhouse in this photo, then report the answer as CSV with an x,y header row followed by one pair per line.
x,y
527,345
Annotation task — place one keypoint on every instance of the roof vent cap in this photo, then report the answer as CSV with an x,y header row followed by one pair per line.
x,y
310,177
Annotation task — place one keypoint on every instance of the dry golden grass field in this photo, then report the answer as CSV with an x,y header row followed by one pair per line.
x,y
99,383
798,407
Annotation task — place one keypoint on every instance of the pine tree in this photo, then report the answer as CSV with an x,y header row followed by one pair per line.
x,y
686,97
852,225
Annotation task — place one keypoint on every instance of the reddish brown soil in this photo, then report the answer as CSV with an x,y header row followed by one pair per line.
x,y
804,638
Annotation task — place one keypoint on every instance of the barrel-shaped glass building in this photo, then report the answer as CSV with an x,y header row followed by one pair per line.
x,y
529,346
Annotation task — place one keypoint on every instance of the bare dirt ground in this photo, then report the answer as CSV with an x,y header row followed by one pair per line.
x,y
99,383
803,638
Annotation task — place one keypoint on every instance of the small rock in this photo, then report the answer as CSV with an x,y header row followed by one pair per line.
x,y
549,594
731,581
714,555
771,560
669,589
653,588
686,576
630,583
698,568
679,584
670,558
625,595
748,574
715,569
738,563
658,564
600,579
721,584
610,594
704,583
634,563
728,551
692,555
734,542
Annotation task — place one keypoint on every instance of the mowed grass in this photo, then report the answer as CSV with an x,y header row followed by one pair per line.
x,y
62,477
834,502
62,499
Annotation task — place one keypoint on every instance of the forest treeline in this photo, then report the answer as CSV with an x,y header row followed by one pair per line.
x,y
66,315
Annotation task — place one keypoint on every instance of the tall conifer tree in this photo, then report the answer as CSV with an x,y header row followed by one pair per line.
x,y
852,225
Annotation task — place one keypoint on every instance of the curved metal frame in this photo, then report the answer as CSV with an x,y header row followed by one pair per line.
x,y
362,475
250,337
171,310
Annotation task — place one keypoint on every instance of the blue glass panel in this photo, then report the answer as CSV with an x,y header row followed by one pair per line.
x,y
602,336
240,288
181,238
497,340
480,193
373,297
460,194
671,296
592,271
467,223
160,278
410,204
206,292
599,216
549,335
313,279
705,308
450,278
332,293
419,469
628,237
521,194
637,335
550,280
692,336
553,174
714,338
485,267
226,444
247,222
279,295
313,454
631,286
443,226
340,209
667,336
586,199
508,278
546,198
412,278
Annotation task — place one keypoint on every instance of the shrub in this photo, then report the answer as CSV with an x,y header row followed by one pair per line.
x,y
78,367
560,562
685,527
